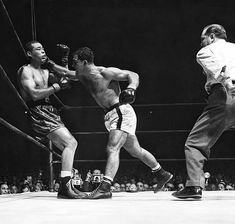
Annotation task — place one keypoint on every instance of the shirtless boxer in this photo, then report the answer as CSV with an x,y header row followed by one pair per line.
x,y
44,117
120,118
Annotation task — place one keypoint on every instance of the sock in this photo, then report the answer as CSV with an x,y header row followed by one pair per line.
x,y
108,179
156,168
65,173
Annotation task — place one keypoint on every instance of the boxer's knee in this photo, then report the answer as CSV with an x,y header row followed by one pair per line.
x,y
112,149
71,143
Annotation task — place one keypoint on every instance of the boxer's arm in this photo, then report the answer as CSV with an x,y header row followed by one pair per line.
x,y
29,86
53,78
62,71
122,75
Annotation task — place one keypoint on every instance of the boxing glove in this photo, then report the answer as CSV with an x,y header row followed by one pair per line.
x,y
64,83
63,54
48,64
127,96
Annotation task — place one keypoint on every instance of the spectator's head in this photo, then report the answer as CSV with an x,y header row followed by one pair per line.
x,y
169,187
14,189
221,186
74,172
128,184
112,188
122,187
97,176
117,187
140,186
229,187
56,186
25,188
4,188
28,180
96,172
146,187
132,188
213,187
38,186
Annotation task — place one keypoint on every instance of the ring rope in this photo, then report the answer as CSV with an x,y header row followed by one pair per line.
x,y
149,132
136,160
140,105
138,132
33,21
6,78
28,137
12,26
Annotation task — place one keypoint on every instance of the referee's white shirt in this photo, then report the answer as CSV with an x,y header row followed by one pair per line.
x,y
214,57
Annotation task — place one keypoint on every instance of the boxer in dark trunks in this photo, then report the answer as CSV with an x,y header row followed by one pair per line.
x,y
44,117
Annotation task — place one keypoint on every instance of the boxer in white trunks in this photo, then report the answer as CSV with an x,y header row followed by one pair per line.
x,y
120,118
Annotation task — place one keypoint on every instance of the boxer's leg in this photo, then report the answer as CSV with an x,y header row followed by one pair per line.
x,y
116,140
161,177
64,141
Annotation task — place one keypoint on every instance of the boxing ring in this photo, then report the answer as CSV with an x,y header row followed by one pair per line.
x,y
138,208
44,207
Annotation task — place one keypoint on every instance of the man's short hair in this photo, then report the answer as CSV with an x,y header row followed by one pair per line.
x,y
85,53
217,29
29,45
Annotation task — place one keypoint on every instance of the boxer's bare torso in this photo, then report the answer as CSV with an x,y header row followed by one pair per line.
x,y
101,84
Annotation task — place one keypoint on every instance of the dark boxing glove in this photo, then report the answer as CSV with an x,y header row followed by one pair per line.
x,y
63,54
48,64
64,83
127,96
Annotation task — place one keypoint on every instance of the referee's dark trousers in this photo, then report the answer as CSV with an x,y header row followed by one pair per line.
x,y
217,116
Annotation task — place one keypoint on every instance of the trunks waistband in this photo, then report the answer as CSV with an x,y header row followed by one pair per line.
x,y
112,107
32,103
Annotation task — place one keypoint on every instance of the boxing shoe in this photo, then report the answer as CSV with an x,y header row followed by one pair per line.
x,y
162,177
66,192
76,191
189,193
102,191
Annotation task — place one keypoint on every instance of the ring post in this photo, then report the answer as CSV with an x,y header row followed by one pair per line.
x,y
51,170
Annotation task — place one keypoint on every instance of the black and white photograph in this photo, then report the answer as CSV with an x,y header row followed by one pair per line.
x,y
117,111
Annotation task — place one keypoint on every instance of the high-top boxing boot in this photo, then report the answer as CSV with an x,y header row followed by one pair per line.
x,y
161,177
65,191
102,191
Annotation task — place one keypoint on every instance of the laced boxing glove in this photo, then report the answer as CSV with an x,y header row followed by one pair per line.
x,y
64,83
48,64
63,54
127,96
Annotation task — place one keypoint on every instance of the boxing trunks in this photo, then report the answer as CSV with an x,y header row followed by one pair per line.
x,y
44,117
121,117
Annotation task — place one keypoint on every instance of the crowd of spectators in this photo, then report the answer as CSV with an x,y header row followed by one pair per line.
x,y
124,182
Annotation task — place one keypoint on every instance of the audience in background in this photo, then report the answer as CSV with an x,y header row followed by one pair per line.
x,y
124,182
